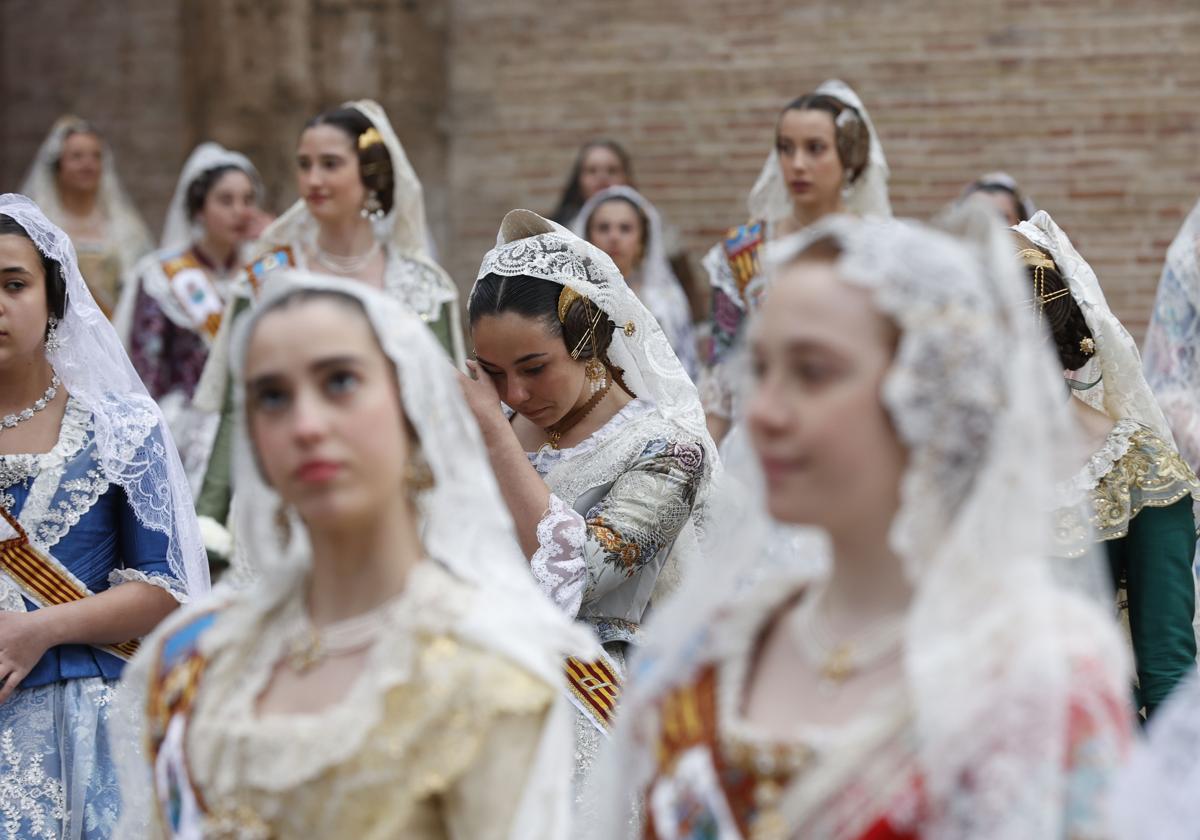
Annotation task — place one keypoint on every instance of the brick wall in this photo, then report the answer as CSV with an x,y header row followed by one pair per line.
x,y
160,76
84,57
1094,106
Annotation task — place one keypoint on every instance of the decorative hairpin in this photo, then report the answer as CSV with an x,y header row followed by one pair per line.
x,y
369,138
1087,346
1039,262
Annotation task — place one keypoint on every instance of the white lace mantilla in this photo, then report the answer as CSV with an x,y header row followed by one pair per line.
x,y
1116,446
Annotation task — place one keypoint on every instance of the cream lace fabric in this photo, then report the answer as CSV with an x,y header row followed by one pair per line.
x,y
993,670
97,374
1155,795
1123,393
481,618
1171,351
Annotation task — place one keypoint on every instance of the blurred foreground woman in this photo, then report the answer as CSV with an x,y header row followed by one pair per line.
x,y
393,671
938,682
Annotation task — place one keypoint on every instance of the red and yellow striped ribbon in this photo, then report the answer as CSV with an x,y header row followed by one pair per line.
x,y
596,687
42,582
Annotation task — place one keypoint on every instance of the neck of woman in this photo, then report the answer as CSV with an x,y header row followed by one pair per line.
x,y
806,214
219,254
80,204
351,237
23,382
867,581
359,566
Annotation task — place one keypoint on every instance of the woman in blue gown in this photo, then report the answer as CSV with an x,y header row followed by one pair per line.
x,y
98,542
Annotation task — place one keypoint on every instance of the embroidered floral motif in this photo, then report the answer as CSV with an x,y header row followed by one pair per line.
x,y
1134,469
31,801
623,552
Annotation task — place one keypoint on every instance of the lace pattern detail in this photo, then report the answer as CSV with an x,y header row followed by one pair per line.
x,y
63,726
558,564
1132,470
418,284
413,722
118,576
545,460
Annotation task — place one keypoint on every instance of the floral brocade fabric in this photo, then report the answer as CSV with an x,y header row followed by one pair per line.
x,y
1134,469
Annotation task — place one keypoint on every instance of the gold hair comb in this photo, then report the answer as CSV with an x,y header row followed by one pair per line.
x,y
369,138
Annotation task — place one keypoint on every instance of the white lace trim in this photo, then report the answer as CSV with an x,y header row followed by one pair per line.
x,y
558,564
282,752
546,459
44,525
610,455
1115,447
173,587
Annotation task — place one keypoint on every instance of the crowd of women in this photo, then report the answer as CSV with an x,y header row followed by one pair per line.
x,y
907,553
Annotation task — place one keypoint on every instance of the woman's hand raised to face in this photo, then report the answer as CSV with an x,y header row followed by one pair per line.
x,y
482,398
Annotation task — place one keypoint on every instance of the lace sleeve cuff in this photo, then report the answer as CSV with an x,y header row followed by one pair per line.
x,y
176,589
558,564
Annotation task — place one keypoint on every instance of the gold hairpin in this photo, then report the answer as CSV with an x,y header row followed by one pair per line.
x,y
369,138
1039,262
565,298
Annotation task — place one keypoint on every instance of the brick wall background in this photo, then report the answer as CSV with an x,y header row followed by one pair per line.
x,y
1094,105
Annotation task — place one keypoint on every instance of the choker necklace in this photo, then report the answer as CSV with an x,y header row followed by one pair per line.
x,y
555,432
11,420
837,660
346,265
311,646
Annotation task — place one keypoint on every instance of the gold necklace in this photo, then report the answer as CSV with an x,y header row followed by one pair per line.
x,y
556,431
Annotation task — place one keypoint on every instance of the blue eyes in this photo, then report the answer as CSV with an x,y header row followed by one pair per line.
x,y
341,383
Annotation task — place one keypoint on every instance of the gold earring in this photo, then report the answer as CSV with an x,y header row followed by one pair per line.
x,y
418,475
594,369
283,524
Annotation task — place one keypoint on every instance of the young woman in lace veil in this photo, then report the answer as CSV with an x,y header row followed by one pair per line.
x,y
98,539
74,180
1137,494
361,215
1171,351
627,227
391,670
939,682
1001,192
171,308
827,159
605,461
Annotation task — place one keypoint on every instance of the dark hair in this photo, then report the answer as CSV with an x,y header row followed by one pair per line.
x,y
1062,315
202,184
994,188
852,136
572,199
56,284
374,162
533,297
643,220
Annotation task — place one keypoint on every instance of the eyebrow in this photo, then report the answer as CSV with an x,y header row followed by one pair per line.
x,y
315,367
15,269
528,357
